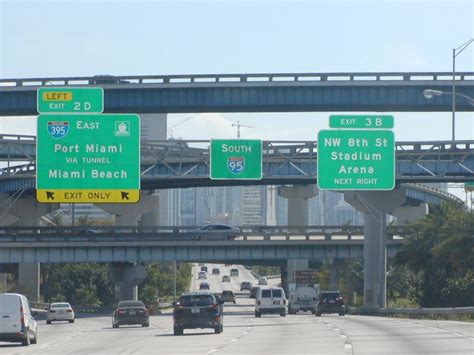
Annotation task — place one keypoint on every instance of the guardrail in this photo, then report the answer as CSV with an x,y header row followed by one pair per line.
x,y
236,78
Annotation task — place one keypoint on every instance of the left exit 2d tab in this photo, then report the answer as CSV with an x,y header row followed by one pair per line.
x,y
58,100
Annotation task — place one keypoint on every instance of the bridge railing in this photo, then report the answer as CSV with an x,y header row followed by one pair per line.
x,y
189,234
236,78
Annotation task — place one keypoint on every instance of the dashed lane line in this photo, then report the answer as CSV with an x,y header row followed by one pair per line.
x,y
348,349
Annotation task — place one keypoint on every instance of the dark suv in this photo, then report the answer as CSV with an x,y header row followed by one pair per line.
x,y
330,302
198,310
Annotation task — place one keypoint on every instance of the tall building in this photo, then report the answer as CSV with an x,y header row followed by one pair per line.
x,y
270,218
316,209
253,205
338,212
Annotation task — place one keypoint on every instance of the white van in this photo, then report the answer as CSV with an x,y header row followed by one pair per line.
x,y
303,299
270,300
16,322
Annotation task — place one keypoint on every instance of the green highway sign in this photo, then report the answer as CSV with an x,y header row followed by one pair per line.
x,y
70,100
361,121
236,159
88,158
356,160
469,186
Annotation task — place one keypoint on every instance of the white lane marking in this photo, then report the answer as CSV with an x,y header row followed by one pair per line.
x,y
347,346
336,329
441,330
234,340
212,351
43,346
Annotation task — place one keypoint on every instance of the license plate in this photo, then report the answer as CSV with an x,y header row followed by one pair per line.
x,y
276,302
331,301
132,313
194,310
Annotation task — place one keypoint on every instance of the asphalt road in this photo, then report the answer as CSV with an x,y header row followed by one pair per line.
x,y
245,334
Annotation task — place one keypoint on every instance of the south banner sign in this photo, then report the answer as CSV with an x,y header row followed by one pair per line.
x,y
88,158
239,159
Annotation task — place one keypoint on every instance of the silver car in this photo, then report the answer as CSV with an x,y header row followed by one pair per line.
x,y
60,311
215,232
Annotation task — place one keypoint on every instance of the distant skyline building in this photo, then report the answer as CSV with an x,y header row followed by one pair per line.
x,y
253,205
281,210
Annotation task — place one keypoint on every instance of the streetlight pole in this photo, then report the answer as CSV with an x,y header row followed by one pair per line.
x,y
430,93
456,52
453,102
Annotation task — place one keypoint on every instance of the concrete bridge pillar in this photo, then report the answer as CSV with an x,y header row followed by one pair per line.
x,y
29,211
284,278
152,218
298,202
375,205
333,274
407,215
297,216
127,276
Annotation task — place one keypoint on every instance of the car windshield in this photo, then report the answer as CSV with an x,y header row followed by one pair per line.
x,y
196,300
129,304
60,305
227,293
266,293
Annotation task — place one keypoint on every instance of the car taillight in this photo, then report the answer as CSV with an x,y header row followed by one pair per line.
x,y
69,310
52,311
339,299
213,307
22,317
146,312
284,301
121,311
258,302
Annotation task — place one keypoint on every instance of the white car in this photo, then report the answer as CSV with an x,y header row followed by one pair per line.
x,y
16,321
60,311
262,281
271,301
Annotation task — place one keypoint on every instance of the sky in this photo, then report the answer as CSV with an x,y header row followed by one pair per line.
x,y
85,38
